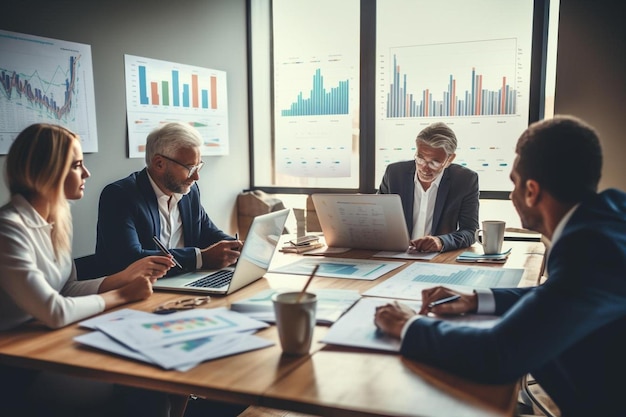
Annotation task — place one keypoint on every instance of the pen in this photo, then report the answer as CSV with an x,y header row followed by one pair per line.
x,y
444,301
166,251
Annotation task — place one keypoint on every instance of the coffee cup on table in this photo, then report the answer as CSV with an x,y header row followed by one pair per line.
x,y
492,236
295,320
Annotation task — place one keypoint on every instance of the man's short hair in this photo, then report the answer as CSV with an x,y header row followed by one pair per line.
x,y
563,155
171,137
438,135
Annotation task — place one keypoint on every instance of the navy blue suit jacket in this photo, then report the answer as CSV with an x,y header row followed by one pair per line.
x,y
569,332
455,219
128,218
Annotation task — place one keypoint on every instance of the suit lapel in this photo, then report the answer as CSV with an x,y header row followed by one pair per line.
x,y
184,208
442,195
148,194
410,199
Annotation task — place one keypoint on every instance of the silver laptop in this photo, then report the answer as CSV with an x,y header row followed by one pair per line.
x,y
256,255
362,221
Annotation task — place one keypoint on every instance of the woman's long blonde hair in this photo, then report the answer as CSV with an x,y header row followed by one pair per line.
x,y
37,164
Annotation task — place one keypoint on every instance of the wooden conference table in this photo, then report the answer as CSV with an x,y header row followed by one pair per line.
x,y
330,381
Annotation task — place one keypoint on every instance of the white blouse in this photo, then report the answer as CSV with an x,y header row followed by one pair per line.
x,y
33,283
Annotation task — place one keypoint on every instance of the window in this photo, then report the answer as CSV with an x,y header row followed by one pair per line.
x,y
343,87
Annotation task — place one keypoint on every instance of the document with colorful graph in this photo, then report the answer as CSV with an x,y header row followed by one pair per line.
x,y
181,326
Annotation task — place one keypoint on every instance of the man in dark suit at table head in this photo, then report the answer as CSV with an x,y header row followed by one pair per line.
x,y
162,200
569,331
439,198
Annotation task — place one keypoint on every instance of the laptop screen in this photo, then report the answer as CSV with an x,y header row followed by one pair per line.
x,y
262,239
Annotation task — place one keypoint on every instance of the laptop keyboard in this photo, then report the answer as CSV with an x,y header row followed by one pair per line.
x,y
216,280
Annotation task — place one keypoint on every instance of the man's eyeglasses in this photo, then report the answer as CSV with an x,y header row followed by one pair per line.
x,y
434,165
192,169
182,304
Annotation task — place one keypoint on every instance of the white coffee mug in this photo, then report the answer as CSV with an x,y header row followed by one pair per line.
x,y
492,236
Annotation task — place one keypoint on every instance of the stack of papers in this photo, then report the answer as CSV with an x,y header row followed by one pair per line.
x,y
179,340
331,304
302,244
498,258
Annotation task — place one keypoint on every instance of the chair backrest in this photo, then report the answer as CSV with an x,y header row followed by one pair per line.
x,y
87,267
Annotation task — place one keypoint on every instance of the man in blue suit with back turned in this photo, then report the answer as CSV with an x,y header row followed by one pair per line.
x,y
439,198
162,200
569,332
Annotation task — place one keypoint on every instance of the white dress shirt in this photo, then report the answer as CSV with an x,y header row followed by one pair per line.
x,y
171,224
424,207
33,282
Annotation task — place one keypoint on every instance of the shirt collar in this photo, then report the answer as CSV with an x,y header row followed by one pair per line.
x,y
558,231
434,183
27,212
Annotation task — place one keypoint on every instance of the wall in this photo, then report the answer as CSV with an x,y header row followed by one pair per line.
x,y
205,33
590,84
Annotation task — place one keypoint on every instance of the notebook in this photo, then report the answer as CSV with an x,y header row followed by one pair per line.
x,y
362,221
254,261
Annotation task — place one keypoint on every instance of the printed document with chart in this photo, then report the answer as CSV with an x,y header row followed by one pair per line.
x,y
409,283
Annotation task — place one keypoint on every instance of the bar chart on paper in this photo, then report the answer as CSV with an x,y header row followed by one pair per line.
x,y
313,121
424,83
159,92
479,87
320,101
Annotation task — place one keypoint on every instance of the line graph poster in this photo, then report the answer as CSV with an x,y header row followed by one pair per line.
x,y
46,80
159,92
469,68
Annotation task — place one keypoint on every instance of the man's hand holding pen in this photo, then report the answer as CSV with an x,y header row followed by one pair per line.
x,y
391,318
221,254
444,301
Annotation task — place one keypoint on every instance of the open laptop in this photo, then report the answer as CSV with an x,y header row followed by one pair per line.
x,y
254,261
362,221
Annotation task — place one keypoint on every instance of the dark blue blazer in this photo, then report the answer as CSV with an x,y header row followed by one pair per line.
x,y
128,218
455,219
569,333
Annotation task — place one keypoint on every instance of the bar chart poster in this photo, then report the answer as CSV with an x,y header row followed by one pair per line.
x,y
46,80
474,76
316,93
159,92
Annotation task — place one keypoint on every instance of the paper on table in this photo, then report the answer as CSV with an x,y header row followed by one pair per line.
x,y
331,304
160,330
409,283
180,356
328,250
364,269
424,256
123,314
356,328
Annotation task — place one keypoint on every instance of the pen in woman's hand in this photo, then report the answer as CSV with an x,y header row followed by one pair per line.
x,y
444,301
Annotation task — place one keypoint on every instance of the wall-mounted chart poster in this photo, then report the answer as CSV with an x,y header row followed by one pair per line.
x,y
159,92
44,80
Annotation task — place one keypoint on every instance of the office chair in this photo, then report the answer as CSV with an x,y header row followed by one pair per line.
x,y
87,267
548,410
